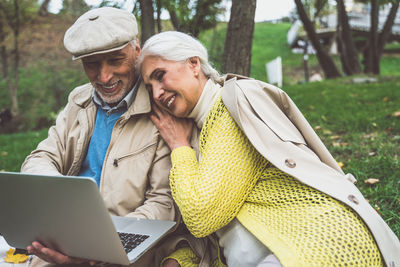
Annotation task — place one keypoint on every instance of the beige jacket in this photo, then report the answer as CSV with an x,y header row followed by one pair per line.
x,y
134,179
279,131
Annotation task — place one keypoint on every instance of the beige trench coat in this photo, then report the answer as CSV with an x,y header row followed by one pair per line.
x,y
279,131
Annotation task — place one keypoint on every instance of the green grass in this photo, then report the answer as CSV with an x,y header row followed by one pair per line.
x,y
15,147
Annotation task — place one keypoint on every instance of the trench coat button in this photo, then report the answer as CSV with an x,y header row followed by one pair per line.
x,y
290,163
353,199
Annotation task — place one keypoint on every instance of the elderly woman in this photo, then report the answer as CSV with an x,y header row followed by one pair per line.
x,y
263,181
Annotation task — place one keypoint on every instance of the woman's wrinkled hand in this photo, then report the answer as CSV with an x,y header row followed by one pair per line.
x,y
176,132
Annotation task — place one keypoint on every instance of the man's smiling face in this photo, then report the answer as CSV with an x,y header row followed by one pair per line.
x,y
112,74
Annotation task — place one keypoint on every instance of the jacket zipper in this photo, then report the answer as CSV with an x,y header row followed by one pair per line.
x,y
116,160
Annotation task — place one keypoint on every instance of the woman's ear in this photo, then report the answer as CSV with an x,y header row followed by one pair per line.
x,y
194,62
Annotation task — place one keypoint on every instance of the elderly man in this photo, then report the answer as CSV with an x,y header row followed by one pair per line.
x,y
104,131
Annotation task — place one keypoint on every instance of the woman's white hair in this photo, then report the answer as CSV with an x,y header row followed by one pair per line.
x,y
178,46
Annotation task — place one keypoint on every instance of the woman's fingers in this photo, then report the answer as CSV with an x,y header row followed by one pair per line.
x,y
156,110
155,120
175,131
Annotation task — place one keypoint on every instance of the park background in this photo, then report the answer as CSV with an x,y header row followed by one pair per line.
x,y
357,115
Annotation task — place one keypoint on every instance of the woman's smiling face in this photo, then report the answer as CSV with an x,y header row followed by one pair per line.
x,y
175,86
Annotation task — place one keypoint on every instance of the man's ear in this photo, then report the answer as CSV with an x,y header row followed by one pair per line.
x,y
137,48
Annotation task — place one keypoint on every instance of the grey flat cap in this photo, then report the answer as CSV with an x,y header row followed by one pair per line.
x,y
100,31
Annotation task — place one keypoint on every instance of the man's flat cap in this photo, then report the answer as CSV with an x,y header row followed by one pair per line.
x,y
100,30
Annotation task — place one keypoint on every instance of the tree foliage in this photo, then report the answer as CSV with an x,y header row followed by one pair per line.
x,y
316,9
110,3
13,15
193,16
74,7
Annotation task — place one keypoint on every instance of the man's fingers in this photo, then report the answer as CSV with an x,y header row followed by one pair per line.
x,y
52,256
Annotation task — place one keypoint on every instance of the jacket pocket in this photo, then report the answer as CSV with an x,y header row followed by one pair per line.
x,y
117,160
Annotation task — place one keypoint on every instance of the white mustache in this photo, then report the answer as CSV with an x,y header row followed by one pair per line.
x,y
107,86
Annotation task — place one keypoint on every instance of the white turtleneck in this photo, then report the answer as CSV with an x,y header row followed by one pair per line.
x,y
210,94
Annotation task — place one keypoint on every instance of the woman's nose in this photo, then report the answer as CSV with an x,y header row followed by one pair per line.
x,y
157,92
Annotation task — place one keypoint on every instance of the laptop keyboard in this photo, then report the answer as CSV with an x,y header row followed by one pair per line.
x,y
131,241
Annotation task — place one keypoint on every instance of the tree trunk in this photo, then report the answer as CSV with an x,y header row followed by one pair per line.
x,y
159,26
372,61
147,19
349,53
174,18
44,8
239,38
325,61
13,19
4,58
383,36
14,106
342,51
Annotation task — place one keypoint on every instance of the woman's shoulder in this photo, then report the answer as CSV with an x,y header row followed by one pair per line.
x,y
247,83
238,88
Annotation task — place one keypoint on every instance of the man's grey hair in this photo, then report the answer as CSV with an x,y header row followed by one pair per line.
x,y
178,46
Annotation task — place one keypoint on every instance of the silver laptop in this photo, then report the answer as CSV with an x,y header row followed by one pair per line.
x,y
68,214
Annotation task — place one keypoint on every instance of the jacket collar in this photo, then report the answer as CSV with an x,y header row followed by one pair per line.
x,y
229,76
141,104
82,97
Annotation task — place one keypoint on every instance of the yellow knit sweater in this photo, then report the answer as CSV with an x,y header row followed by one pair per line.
x,y
300,225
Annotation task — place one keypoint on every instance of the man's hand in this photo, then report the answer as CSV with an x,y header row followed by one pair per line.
x,y
53,256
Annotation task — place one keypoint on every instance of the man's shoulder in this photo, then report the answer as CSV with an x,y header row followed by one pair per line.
x,y
81,95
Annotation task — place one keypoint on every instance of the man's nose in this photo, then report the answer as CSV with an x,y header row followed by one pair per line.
x,y
105,73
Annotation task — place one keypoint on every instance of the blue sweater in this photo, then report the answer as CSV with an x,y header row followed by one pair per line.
x,y
93,164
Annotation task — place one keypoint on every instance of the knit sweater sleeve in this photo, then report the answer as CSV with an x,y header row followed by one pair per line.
x,y
211,192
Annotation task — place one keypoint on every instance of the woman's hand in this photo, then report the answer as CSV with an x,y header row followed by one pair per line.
x,y
176,132
53,256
